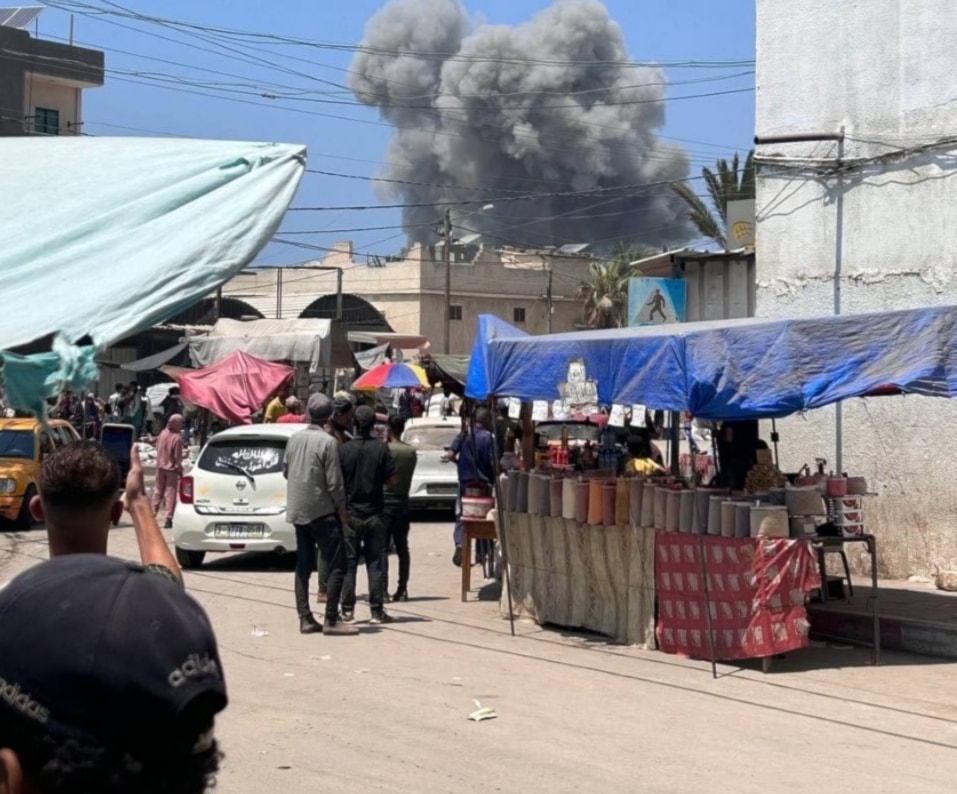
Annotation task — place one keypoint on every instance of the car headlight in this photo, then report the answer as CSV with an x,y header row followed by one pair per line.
x,y
7,485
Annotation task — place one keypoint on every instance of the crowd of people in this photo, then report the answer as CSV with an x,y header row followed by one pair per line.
x,y
127,699
347,495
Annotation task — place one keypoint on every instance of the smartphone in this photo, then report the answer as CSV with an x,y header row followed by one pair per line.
x,y
118,440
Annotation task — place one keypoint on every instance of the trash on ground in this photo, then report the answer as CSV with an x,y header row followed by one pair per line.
x,y
259,631
482,713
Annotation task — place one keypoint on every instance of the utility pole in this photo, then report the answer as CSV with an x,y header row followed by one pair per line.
x,y
548,303
447,257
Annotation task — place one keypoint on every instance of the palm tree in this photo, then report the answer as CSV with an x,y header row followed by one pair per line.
x,y
604,294
724,184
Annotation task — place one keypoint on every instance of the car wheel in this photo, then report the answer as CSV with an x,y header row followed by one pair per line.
x,y
25,517
189,559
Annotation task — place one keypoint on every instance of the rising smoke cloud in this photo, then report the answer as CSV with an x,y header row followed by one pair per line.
x,y
547,106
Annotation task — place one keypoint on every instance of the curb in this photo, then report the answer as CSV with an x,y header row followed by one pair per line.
x,y
899,634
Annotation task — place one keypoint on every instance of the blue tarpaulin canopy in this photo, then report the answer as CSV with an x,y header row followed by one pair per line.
x,y
735,369
478,382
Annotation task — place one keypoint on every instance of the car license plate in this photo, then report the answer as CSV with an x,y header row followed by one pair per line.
x,y
442,490
239,530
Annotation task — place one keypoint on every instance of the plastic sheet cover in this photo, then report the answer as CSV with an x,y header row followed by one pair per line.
x,y
315,342
104,237
235,387
737,369
478,382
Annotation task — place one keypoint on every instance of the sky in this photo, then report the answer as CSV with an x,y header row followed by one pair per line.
x,y
164,80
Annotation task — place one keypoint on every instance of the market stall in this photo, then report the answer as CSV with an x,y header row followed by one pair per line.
x,y
735,585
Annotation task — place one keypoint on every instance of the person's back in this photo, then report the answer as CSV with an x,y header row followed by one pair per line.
x,y
366,466
309,494
404,458
473,451
111,682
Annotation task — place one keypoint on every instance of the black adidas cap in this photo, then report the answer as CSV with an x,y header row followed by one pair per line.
x,y
103,650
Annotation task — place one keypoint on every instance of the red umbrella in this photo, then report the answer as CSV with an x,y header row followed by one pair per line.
x,y
234,387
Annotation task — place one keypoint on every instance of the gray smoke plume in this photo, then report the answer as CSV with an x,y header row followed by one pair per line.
x,y
549,106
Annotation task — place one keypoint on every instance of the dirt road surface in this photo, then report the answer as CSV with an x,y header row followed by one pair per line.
x,y
386,711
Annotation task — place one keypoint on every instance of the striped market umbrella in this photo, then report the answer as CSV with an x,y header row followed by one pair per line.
x,y
392,375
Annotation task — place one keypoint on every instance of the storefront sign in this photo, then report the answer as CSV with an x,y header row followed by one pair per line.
x,y
656,301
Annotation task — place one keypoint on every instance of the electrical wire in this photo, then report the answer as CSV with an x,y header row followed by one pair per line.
x,y
244,36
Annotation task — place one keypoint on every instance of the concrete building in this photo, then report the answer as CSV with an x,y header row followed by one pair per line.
x,y
407,293
42,82
859,216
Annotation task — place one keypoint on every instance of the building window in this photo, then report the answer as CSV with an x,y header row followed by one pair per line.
x,y
455,312
46,121
518,315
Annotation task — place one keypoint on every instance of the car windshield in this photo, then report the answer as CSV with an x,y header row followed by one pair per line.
x,y
17,444
430,436
577,431
244,455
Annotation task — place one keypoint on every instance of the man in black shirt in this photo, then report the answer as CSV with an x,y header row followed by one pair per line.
x,y
367,467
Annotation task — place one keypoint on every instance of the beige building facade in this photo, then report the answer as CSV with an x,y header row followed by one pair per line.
x,y
42,82
534,290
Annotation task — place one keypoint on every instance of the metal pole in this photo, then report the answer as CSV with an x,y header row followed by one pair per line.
x,y
218,304
339,294
707,599
447,257
548,303
278,293
838,268
502,522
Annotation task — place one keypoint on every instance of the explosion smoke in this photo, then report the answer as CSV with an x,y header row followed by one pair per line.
x,y
549,106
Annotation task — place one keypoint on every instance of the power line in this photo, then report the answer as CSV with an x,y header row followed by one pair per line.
x,y
244,36
504,199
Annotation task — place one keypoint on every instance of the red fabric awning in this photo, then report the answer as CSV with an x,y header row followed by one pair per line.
x,y
235,387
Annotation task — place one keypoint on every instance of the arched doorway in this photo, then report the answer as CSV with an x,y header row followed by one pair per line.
x,y
357,313
204,312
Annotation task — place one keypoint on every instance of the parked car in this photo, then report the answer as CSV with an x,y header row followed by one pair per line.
x,y
23,444
234,499
436,480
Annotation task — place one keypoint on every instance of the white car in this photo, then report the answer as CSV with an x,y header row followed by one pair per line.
x,y
234,499
435,482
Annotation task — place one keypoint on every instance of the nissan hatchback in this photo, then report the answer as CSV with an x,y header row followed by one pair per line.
x,y
234,499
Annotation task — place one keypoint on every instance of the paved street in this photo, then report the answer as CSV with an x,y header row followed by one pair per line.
x,y
386,711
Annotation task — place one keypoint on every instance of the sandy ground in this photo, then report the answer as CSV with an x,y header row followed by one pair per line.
x,y
386,711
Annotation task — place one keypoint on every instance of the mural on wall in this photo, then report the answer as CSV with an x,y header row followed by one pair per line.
x,y
656,301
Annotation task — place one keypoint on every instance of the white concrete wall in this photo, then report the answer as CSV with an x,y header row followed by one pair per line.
x,y
885,233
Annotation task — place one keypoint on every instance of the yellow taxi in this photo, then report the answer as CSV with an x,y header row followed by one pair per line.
x,y
23,443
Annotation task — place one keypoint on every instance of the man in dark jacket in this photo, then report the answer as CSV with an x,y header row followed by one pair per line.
x,y
367,467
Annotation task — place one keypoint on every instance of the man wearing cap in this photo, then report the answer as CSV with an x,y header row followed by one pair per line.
x,y
294,414
343,415
110,681
315,504
367,467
